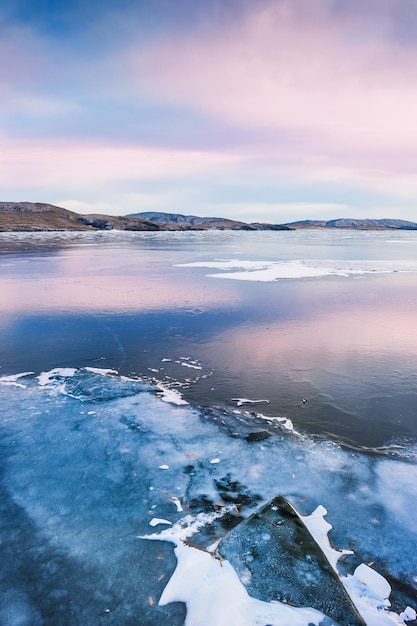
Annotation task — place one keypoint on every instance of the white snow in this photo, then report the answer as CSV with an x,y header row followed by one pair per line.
x,y
156,521
177,503
100,370
45,378
375,583
240,401
171,395
319,529
285,422
195,367
11,380
409,614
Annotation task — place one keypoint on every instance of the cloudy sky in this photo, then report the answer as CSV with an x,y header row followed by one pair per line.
x,y
269,110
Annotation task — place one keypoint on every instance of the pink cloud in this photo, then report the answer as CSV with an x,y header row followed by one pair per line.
x,y
65,162
342,91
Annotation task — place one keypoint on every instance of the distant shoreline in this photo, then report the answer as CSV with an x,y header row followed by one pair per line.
x,y
41,217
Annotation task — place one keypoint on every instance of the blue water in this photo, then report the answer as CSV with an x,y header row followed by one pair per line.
x,y
81,455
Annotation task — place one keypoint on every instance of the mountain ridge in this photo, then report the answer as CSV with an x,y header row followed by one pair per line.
x,y
357,223
195,222
38,216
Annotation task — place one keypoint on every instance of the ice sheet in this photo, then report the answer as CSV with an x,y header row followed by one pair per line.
x,y
85,470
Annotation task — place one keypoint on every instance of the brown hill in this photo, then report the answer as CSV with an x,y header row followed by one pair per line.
x,y
36,216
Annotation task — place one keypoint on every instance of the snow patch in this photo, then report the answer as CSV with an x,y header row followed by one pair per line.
x,y
11,380
240,401
101,371
156,521
171,396
285,422
45,378
177,503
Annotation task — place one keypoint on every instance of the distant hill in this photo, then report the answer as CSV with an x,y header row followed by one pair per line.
x,y
37,216
178,221
178,218
359,224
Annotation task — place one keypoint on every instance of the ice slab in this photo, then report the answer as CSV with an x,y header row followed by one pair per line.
x,y
93,384
212,591
277,557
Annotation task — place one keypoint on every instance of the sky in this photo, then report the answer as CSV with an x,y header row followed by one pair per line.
x,y
259,110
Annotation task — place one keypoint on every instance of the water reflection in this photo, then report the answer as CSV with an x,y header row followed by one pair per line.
x,y
336,355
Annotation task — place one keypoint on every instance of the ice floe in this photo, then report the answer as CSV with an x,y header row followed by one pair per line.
x,y
269,271
45,378
157,521
241,401
12,379
172,396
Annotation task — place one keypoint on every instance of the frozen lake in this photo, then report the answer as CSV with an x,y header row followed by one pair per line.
x,y
316,328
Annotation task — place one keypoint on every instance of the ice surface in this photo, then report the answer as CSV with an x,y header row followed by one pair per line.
x,y
81,453
87,383
368,590
276,556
